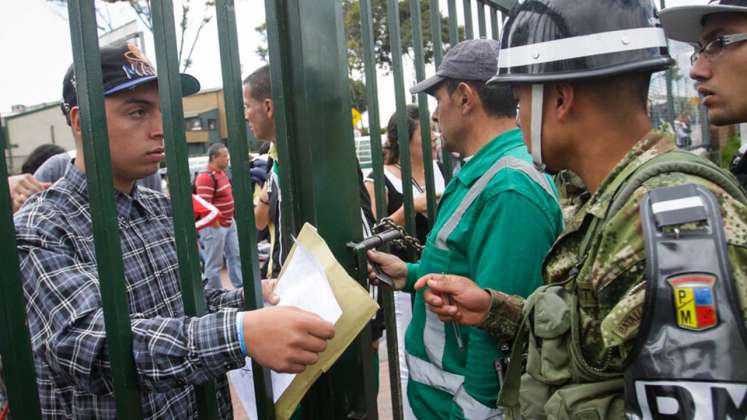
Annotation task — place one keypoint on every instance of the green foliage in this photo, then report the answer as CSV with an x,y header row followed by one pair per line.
x,y
382,47
729,150
358,94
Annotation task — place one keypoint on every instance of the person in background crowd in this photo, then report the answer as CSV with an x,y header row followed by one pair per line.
x,y
171,351
221,239
259,113
38,156
54,168
22,187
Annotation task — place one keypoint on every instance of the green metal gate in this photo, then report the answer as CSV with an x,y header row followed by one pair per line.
x,y
315,143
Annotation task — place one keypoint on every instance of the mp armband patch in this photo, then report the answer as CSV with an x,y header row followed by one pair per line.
x,y
694,301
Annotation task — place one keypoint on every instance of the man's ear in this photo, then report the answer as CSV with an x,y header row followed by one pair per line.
x,y
74,116
562,101
466,98
269,108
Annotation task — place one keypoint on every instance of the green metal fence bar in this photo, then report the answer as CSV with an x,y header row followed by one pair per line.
x,y
372,91
495,30
400,99
425,115
87,60
669,76
15,341
359,357
381,208
278,40
438,49
437,58
469,32
502,5
239,148
453,23
482,24
319,151
185,236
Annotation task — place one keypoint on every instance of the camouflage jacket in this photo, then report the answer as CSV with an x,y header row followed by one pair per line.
x,y
610,316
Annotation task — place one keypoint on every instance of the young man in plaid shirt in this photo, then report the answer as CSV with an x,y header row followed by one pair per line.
x,y
172,352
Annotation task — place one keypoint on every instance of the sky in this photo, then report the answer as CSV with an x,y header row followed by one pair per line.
x,y
36,39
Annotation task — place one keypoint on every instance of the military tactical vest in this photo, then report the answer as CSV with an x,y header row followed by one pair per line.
x,y
558,383
688,361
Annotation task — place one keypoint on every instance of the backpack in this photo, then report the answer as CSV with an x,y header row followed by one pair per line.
x,y
194,180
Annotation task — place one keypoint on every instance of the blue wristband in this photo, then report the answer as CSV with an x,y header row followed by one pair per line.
x,y
240,332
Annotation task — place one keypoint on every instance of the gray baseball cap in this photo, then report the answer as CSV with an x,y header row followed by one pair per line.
x,y
473,59
685,23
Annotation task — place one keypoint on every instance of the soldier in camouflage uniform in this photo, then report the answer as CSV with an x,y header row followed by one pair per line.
x,y
581,326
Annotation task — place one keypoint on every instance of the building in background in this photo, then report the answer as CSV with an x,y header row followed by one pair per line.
x,y
29,127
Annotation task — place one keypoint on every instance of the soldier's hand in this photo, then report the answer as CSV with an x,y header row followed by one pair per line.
x,y
22,187
391,265
455,298
284,338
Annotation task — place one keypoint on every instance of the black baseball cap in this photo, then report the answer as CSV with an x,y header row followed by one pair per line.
x,y
473,59
123,67
685,23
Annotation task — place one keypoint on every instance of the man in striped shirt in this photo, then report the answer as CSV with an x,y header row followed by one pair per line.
x,y
220,239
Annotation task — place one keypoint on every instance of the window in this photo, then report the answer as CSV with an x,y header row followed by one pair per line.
x,y
211,124
193,124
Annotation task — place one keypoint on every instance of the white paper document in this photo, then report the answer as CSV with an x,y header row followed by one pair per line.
x,y
303,284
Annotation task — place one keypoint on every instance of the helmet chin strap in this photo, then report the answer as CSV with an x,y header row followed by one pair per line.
x,y
536,124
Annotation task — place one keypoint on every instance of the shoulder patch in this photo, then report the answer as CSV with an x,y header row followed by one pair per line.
x,y
694,301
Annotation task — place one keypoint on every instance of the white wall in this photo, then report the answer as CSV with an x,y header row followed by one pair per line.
x,y
28,131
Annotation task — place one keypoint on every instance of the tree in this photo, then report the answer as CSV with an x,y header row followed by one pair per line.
x,y
382,46
142,11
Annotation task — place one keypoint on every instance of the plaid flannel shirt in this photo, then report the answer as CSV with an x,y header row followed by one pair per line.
x,y
172,352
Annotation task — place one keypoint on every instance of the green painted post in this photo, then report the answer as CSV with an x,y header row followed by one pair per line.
x,y
381,210
495,30
308,56
185,236
399,93
468,27
373,107
87,60
238,145
425,115
15,341
482,25
670,98
278,41
453,23
437,58
438,49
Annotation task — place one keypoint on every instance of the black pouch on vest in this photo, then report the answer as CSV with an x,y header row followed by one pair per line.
x,y
689,360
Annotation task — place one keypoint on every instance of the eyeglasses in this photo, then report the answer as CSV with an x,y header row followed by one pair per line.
x,y
715,47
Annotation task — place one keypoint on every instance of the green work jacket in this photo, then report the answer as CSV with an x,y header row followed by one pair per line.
x,y
496,220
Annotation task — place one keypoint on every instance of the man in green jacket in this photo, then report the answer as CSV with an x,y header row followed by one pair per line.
x,y
496,220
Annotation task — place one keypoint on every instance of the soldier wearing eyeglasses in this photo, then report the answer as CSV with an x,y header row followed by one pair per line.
x,y
718,32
